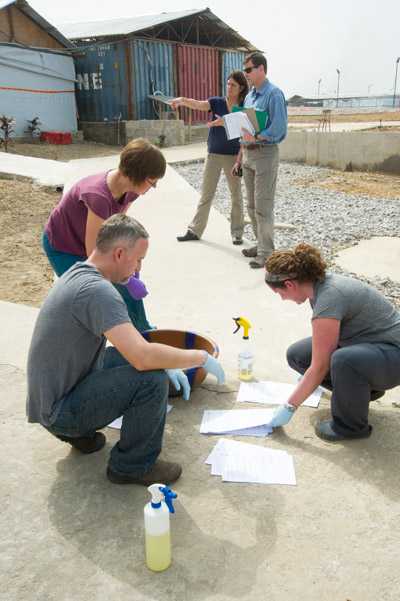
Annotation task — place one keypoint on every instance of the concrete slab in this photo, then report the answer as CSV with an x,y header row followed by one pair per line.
x,y
376,257
70,535
342,126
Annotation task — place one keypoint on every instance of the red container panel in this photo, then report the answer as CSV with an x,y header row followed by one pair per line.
x,y
198,74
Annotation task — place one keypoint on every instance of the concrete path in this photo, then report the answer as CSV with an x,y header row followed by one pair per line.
x,y
43,171
54,173
70,535
378,256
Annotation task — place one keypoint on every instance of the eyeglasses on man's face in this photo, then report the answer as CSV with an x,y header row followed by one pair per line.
x,y
249,69
153,183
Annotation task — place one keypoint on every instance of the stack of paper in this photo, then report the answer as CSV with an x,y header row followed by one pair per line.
x,y
241,462
244,422
234,124
273,393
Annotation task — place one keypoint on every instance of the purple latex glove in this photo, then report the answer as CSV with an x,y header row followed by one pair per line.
x,y
136,287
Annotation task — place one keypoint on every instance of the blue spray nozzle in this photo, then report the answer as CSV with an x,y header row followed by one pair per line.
x,y
169,495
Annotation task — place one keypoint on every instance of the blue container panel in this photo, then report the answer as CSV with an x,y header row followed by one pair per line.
x,y
153,72
102,88
231,61
35,83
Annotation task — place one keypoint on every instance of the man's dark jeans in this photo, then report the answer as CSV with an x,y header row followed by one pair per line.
x,y
355,372
119,389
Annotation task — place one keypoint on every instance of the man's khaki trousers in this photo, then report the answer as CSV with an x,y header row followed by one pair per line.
x,y
260,172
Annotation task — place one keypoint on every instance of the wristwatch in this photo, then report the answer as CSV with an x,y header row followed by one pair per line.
x,y
290,407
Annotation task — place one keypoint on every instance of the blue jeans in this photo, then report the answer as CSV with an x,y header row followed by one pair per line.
x,y
356,372
105,394
61,262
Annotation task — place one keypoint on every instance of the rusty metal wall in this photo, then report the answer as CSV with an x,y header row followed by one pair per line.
x,y
102,90
153,64
231,60
198,74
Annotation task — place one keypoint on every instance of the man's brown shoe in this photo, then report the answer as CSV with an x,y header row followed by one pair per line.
x,y
250,252
163,472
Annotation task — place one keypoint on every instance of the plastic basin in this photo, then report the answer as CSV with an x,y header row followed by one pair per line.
x,y
185,340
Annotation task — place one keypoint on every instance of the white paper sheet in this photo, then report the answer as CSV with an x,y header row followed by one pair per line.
x,y
235,122
241,462
117,423
234,421
273,393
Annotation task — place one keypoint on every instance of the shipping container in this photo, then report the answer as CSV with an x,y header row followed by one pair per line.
x,y
230,61
153,64
103,75
198,74
37,83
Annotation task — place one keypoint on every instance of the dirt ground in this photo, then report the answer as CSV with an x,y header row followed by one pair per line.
x,y
25,276
348,117
357,182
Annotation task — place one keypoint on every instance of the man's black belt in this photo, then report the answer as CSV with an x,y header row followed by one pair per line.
x,y
253,146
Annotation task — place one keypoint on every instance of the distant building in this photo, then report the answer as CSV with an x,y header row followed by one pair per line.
x,y
37,75
121,62
378,102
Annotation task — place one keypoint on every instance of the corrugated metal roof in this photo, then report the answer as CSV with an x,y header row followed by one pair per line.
x,y
122,26
144,24
24,7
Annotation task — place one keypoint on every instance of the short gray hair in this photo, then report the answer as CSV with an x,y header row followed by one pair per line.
x,y
117,228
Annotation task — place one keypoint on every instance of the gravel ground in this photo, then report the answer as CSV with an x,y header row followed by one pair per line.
x,y
328,219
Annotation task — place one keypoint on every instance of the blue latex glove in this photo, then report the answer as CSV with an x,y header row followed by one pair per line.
x,y
178,379
136,287
213,367
282,416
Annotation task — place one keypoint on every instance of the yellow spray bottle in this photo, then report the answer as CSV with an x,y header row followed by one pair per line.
x,y
157,527
246,356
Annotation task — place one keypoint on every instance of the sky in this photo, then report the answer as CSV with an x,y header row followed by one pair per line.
x,y
304,41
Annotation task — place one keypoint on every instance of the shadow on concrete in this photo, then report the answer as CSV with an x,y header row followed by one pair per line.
x,y
222,533
234,252
373,461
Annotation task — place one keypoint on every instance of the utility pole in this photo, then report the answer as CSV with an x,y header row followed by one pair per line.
x,y
319,86
337,89
395,82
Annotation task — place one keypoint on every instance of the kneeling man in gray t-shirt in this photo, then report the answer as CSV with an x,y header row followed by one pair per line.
x,y
76,385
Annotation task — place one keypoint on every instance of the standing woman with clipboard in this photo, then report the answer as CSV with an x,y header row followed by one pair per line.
x,y
221,156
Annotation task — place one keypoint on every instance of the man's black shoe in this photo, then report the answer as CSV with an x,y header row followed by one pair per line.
x,y
188,236
324,429
256,264
86,444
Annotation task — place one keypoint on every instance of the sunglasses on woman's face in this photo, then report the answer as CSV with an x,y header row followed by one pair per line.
x,y
249,69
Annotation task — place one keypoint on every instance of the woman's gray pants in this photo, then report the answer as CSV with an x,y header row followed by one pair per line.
x,y
356,373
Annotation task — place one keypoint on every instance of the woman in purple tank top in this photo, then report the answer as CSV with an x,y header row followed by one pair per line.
x,y
71,231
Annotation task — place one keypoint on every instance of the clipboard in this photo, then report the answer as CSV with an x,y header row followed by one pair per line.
x,y
257,118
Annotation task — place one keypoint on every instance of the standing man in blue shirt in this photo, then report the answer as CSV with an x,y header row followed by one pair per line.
x,y
259,156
